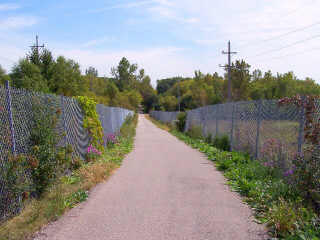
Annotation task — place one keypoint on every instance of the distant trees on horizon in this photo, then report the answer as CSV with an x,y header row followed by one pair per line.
x,y
130,87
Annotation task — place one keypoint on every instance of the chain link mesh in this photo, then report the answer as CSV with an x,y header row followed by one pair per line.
x,y
262,128
165,117
69,127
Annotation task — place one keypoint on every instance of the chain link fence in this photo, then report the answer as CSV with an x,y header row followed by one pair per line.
x,y
261,128
165,117
16,121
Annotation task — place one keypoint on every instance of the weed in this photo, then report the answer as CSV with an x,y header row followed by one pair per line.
x,y
222,142
68,191
181,121
195,132
75,198
275,202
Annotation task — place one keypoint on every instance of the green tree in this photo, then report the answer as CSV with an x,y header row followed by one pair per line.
x,y
66,79
28,76
3,76
240,81
169,103
91,74
124,74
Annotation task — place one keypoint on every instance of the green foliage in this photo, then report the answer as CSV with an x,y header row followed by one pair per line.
x,y
305,171
165,84
66,78
17,182
28,76
195,132
3,76
169,103
91,121
73,179
127,130
124,74
181,121
46,161
276,203
208,89
75,198
221,142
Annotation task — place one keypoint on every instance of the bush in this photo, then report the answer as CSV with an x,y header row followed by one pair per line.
x,y
181,121
275,202
195,132
126,129
92,154
46,160
91,121
208,138
222,142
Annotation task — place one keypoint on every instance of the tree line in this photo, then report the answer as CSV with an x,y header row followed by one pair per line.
x,y
207,89
129,87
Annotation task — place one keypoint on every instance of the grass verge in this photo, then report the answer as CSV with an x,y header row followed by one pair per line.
x,y
275,202
157,123
68,191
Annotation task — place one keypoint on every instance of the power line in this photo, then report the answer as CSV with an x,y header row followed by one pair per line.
x,y
287,46
293,54
284,34
298,9
229,69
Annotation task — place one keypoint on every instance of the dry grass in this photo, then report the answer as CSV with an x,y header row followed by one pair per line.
x,y
96,173
159,124
39,212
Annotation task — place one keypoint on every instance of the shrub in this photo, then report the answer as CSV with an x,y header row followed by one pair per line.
x,y
110,140
305,171
181,121
195,132
92,154
222,142
126,129
208,138
91,121
275,202
46,160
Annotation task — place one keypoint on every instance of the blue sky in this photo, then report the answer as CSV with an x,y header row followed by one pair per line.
x,y
167,37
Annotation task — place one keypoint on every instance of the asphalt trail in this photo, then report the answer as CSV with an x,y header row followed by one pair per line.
x,y
163,190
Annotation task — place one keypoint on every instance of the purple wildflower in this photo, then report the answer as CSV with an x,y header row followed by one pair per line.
x,y
111,139
92,149
288,173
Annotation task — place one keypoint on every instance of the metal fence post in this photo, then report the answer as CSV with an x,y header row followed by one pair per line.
x,y
63,121
259,103
301,126
217,125
203,120
8,99
232,125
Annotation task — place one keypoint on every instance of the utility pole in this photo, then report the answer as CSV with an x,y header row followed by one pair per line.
x,y
179,94
37,46
229,69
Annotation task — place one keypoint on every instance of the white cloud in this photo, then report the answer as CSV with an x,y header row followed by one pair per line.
x,y
124,5
203,28
8,6
247,24
98,41
17,22
158,62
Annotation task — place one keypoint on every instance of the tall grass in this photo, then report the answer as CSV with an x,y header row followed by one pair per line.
x,y
68,191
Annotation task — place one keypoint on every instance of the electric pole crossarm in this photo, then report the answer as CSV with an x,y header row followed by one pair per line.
x,y
37,46
229,67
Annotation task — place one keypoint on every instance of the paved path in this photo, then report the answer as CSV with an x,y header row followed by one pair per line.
x,y
164,190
